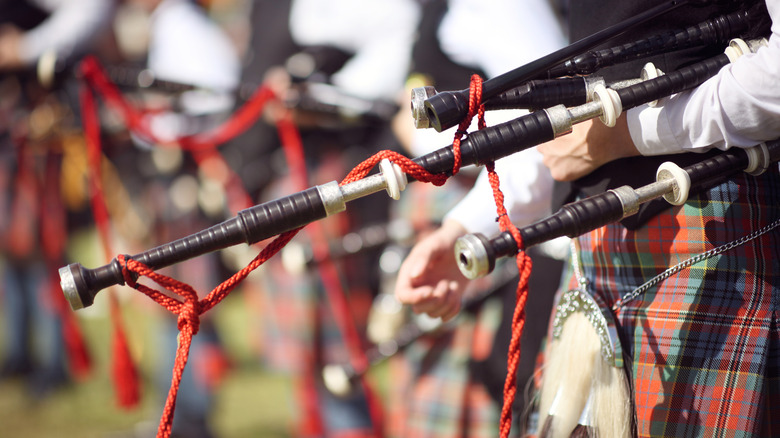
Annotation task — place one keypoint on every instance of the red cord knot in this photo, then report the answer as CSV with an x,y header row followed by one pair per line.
x,y
437,179
408,166
127,273
189,315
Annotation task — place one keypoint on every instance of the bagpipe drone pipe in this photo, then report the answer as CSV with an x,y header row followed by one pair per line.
x,y
558,102
272,218
446,109
315,96
476,254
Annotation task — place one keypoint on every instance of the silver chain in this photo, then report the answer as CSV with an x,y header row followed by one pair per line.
x,y
693,260
582,281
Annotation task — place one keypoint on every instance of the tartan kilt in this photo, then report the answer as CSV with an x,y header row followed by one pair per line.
x,y
703,345
434,394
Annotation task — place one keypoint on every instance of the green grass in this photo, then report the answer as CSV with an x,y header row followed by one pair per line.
x,y
247,406
251,402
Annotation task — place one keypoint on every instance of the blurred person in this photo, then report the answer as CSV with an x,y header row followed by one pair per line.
x,y
338,53
186,47
33,27
30,154
34,345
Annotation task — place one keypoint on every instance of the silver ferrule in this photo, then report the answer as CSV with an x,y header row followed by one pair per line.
x,y
559,119
420,115
472,257
69,288
584,112
617,85
332,198
656,190
757,44
363,187
590,85
758,159
586,417
628,199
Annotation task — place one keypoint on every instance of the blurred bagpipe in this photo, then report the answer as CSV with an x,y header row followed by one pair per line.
x,y
562,88
309,90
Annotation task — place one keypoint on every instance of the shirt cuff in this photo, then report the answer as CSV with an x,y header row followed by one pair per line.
x,y
476,212
650,131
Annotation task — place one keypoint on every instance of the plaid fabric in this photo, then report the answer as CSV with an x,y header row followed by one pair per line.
x,y
299,324
293,301
433,392
704,342
287,318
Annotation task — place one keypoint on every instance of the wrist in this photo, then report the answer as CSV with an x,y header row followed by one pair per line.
x,y
452,229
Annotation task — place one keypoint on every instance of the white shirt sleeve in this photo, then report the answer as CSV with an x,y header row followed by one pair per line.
x,y
527,187
380,33
523,32
68,29
740,106
187,46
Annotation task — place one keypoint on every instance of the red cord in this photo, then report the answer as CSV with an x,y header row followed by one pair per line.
x,y
53,241
189,307
239,122
329,274
124,372
518,317
523,261
475,96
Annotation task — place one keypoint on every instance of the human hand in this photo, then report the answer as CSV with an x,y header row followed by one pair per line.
x,y
590,145
10,40
429,279
288,102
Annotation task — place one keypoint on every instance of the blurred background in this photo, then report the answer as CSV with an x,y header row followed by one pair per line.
x,y
339,73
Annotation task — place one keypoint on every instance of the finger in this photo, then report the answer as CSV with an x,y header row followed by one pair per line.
x,y
406,290
433,302
428,306
418,263
450,305
432,299
453,308
418,267
413,295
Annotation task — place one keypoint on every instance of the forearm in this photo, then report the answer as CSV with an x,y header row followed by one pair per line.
x,y
738,107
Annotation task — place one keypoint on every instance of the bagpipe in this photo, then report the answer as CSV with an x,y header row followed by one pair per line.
x,y
313,95
288,213
446,109
559,103
298,257
477,255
